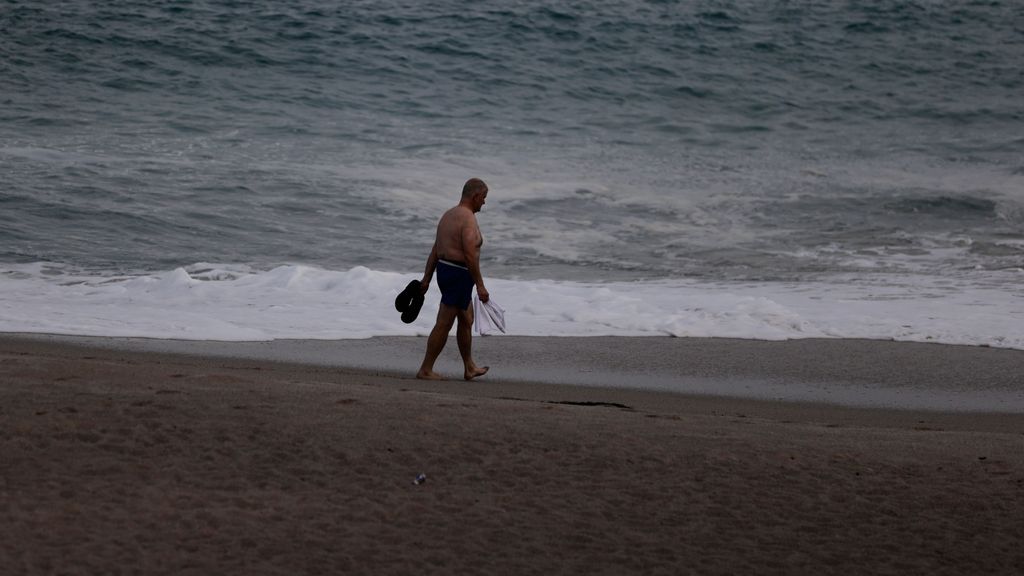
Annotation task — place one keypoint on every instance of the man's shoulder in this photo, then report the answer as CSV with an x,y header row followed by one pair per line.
x,y
459,213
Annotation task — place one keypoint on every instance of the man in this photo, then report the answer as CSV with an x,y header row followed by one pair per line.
x,y
456,258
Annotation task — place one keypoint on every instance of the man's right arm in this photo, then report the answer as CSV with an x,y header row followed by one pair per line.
x,y
471,248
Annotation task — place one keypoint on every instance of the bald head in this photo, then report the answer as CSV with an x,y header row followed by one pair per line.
x,y
473,186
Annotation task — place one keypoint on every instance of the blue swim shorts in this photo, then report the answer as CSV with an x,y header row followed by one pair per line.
x,y
456,284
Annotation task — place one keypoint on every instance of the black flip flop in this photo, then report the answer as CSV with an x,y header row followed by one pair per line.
x,y
410,301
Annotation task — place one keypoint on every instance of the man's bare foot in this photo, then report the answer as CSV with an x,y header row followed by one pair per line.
x,y
470,374
428,375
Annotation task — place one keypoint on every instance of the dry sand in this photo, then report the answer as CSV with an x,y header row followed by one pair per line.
x,y
131,462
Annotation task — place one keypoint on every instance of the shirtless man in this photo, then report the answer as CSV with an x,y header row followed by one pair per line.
x,y
456,257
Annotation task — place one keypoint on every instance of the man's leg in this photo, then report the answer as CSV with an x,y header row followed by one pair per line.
x,y
464,336
435,342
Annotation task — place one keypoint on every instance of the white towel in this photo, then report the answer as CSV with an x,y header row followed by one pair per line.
x,y
488,316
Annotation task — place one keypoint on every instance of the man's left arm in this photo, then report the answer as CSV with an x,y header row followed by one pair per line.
x,y
428,272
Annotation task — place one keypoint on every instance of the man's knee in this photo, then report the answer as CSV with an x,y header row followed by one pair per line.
x,y
465,318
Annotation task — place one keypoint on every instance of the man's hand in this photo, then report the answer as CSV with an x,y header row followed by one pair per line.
x,y
482,293
424,285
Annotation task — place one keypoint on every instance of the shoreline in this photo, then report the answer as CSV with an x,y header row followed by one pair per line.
x,y
300,361
852,373
167,463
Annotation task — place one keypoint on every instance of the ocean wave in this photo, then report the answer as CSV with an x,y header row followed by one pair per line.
x,y
239,303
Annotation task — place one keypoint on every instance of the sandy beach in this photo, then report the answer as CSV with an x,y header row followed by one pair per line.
x,y
147,459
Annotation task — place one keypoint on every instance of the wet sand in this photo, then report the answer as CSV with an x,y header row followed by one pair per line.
x,y
124,460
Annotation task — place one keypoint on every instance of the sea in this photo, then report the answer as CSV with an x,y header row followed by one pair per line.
x,y
252,170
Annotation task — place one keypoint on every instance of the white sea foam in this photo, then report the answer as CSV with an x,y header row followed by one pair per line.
x,y
236,303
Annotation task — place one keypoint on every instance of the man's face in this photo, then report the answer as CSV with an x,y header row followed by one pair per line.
x,y
479,199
